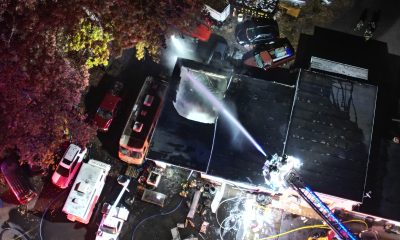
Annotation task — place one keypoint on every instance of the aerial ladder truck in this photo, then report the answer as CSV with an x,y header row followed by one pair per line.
x,y
114,216
294,180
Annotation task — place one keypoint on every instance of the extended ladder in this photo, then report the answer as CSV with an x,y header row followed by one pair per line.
x,y
319,207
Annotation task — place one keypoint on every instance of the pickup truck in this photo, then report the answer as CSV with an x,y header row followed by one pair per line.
x,y
113,216
111,223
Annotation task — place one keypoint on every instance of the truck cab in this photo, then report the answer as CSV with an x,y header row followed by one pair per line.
x,y
111,223
114,216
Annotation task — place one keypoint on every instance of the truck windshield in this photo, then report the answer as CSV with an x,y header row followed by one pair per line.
x,y
259,60
108,229
136,154
62,171
104,113
130,153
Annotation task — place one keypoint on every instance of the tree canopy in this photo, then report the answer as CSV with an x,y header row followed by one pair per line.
x,y
46,48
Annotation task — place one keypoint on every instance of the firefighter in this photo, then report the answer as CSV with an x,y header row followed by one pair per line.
x,y
323,235
362,20
371,27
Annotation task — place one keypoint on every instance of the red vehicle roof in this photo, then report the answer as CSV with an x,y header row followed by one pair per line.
x,y
110,102
201,32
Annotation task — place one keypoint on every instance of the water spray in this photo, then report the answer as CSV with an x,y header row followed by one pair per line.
x,y
275,170
223,110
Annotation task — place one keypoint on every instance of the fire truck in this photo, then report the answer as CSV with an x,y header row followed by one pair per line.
x,y
86,191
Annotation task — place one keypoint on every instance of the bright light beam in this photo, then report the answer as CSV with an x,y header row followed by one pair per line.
x,y
177,44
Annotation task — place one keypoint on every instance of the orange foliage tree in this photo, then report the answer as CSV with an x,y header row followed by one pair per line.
x,y
42,83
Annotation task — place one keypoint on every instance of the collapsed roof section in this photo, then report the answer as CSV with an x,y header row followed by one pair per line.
x,y
194,105
176,139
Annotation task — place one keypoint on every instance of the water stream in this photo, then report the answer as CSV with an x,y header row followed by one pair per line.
x,y
223,110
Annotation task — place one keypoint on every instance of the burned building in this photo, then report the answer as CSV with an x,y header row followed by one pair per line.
x,y
324,116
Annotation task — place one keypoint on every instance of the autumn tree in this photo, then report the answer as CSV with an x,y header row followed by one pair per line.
x,y
146,24
91,41
46,48
40,90
122,24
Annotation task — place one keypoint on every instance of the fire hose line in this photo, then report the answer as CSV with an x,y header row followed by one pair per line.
x,y
226,200
21,235
45,211
153,216
234,216
159,214
321,226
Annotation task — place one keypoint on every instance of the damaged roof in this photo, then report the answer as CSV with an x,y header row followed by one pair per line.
x,y
330,126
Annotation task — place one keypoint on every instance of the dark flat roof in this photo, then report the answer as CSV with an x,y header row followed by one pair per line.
x,y
330,131
263,107
384,72
179,141
332,140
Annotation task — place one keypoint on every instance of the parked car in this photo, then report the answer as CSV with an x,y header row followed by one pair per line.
x,y
257,32
17,181
68,166
271,55
201,32
107,111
